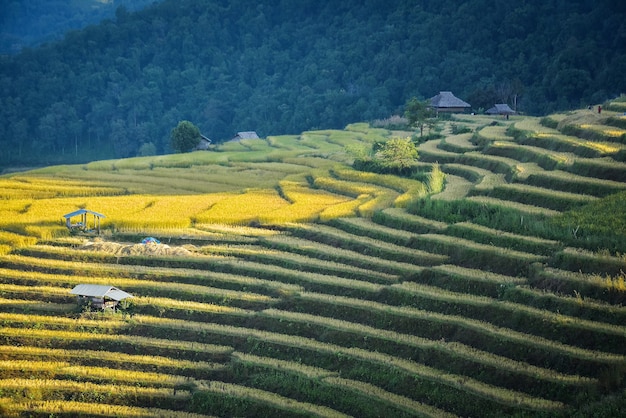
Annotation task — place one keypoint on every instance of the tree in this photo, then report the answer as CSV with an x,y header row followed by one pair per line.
x,y
185,136
123,145
418,113
146,149
397,153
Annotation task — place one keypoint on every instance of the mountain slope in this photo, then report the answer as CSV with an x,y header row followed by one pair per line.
x,y
28,23
287,67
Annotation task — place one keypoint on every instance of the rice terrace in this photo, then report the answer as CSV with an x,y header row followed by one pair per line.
x,y
283,282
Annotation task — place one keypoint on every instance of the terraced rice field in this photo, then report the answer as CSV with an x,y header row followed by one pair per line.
x,y
484,300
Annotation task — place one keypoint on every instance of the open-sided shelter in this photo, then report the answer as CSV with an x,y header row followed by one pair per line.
x,y
82,224
500,109
99,296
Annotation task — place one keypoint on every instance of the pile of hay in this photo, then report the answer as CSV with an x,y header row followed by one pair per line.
x,y
121,249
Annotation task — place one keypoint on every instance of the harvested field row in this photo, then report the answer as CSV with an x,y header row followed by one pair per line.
x,y
38,390
263,254
196,369
539,196
229,266
477,334
568,182
470,387
370,246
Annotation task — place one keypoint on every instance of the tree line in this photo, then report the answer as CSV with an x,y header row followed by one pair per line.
x,y
283,66
28,23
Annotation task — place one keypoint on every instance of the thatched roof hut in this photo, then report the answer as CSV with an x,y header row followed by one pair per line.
x,y
500,109
445,101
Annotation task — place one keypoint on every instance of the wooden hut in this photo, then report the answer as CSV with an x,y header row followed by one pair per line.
x,y
82,224
447,102
99,296
204,143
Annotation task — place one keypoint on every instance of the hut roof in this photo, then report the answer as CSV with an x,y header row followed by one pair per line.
x,y
204,143
446,99
245,135
500,109
100,291
82,211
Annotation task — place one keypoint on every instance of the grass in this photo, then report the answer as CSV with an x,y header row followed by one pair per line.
x,y
497,132
602,168
504,239
470,281
195,292
81,408
513,205
203,291
100,375
386,269
35,390
340,238
525,153
264,397
576,304
290,284
298,261
400,219
469,385
597,336
458,143
114,360
67,273
396,401
599,216
558,180
541,197
98,341
454,349
244,208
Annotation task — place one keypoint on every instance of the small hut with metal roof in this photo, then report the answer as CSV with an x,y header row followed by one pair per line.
x,y
245,135
99,296
82,225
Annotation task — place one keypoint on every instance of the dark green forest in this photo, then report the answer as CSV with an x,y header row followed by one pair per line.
x,y
28,23
285,66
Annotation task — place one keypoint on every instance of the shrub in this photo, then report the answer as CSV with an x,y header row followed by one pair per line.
x,y
436,179
549,122
394,122
147,149
459,129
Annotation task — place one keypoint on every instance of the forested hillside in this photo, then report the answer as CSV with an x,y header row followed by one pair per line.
x,y
26,23
288,66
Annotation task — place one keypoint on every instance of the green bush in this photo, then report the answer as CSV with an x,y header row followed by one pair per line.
x,y
549,122
459,129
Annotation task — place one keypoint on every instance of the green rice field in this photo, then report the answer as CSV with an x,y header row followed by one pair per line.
x,y
285,283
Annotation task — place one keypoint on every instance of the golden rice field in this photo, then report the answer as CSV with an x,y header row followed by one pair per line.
x,y
288,284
